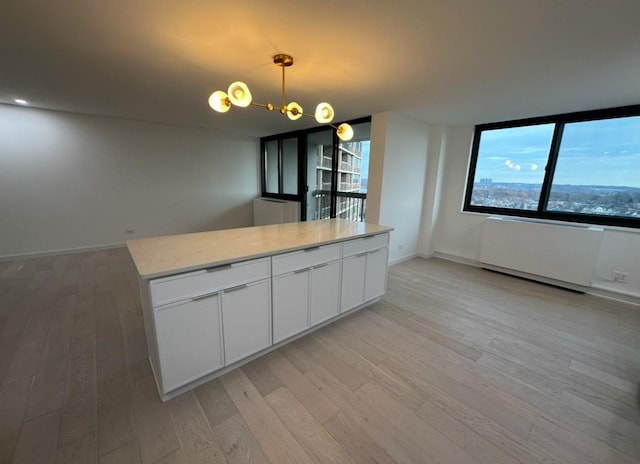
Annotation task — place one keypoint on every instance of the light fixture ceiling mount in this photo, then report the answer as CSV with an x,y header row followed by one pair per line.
x,y
283,60
238,94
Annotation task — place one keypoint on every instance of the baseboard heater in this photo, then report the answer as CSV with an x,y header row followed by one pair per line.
x,y
562,255
275,211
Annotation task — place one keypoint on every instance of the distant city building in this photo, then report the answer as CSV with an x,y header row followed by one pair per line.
x,y
350,196
582,199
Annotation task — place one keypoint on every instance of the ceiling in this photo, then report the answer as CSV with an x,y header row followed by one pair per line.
x,y
453,62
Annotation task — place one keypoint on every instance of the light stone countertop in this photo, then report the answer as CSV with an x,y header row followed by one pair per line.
x,y
173,254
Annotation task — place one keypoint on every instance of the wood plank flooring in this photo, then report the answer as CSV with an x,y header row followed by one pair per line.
x,y
453,365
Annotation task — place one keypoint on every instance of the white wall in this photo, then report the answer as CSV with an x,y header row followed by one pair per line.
x,y
458,234
71,181
438,140
397,167
619,251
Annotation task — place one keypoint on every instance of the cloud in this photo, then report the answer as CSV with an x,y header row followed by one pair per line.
x,y
511,165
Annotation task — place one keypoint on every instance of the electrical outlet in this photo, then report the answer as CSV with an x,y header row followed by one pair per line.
x,y
400,247
130,231
619,276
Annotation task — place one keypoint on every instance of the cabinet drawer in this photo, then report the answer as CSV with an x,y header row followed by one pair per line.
x,y
362,245
183,286
305,258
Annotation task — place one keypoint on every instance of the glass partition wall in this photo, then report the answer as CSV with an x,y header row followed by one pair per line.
x,y
327,176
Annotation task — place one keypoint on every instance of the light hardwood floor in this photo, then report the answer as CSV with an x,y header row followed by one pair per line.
x,y
454,365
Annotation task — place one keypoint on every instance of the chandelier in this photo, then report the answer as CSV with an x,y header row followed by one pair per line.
x,y
239,94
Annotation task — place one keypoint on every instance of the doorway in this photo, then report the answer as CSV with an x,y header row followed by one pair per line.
x,y
337,174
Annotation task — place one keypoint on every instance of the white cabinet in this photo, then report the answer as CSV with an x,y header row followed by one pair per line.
x,y
304,298
376,273
246,320
306,258
325,292
189,341
306,289
200,322
353,276
208,319
366,244
364,270
290,304
189,284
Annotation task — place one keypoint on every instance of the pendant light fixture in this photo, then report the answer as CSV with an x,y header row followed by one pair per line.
x,y
238,94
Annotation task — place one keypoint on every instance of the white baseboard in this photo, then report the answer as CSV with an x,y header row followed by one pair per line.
x,y
426,255
403,259
40,254
612,295
536,278
592,290
457,259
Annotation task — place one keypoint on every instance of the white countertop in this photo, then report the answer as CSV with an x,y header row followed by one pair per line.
x,y
173,254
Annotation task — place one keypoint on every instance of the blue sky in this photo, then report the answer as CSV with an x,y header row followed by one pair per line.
x,y
365,159
604,152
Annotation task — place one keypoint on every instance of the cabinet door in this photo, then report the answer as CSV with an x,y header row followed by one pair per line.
x,y
376,273
246,320
325,292
290,304
189,340
353,269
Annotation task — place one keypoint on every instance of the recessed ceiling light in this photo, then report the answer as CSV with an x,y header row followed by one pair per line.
x,y
20,101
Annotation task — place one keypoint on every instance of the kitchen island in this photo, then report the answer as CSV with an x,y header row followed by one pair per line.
x,y
213,301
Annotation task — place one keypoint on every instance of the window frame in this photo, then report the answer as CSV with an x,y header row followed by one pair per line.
x,y
301,135
560,120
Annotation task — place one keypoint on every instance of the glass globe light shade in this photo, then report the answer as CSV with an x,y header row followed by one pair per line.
x,y
219,101
345,132
294,111
239,94
324,113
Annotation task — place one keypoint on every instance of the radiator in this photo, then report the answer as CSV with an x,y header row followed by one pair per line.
x,y
274,211
562,254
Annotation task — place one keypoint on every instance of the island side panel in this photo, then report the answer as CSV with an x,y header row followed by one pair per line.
x,y
150,330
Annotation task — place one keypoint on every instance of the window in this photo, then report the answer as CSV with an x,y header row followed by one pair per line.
x,y
280,167
271,172
580,167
